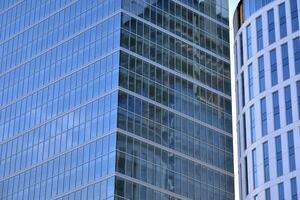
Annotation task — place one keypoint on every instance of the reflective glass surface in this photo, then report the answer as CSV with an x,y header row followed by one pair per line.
x,y
58,99
115,99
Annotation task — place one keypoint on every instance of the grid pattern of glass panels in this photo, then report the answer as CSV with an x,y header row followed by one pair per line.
x,y
174,115
58,98
115,99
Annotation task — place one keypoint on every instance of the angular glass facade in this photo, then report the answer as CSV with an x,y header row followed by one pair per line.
x,y
114,99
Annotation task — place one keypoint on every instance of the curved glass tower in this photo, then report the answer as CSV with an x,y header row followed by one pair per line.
x,y
267,57
111,99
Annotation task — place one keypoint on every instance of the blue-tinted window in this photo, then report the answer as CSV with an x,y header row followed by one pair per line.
x,y
296,43
268,194
282,20
264,123
247,8
259,33
258,4
285,61
252,121
294,15
254,166
250,6
298,97
294,194
279,164
250,79
291,147
261,73
276,112
273,62
280,191
288,105
249,41
271,26
266,161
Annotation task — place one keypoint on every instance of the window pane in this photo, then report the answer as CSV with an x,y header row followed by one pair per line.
x,y
280,191
285,61
282,20
298,97
241,50
271,26
288,105
259,33
294,188
252,120
294,15
273,62
264,125
261,74
254,166
276,112
250,79
278,156
249,42
296,43
268,194
291,149
266,161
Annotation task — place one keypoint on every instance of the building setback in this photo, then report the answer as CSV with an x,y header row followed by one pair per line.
x,y
267,60
111,99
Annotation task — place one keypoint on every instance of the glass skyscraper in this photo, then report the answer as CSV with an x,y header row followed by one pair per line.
x,y
111,99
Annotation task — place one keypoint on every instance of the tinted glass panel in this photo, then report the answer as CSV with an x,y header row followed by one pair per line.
x,y
271,26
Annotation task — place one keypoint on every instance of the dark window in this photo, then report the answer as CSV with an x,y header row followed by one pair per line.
x,y
298,97
250,79
276,112
278,156
273,62
294,15
261,73
246,176
285,61
266,161
294,188
291,148
280,191
259,33
264,123
241,50
296,43
288,105
271,26
243,89
252,120
282,20
254,166
245,131
236,57
268,194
